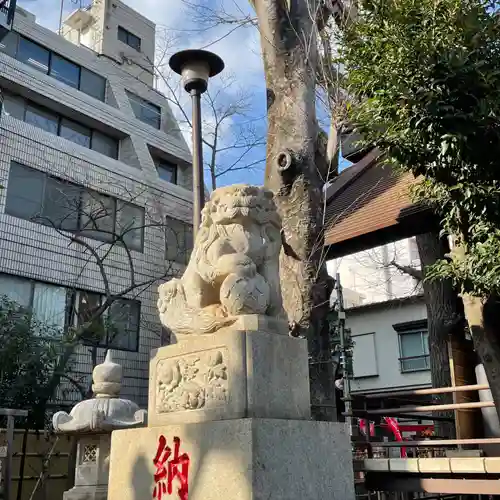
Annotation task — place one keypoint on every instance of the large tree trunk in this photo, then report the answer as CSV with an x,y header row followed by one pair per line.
x,y
445,318
289,49
483,319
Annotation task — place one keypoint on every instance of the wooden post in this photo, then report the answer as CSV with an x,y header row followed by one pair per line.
x,y
8,459
462,364
7,476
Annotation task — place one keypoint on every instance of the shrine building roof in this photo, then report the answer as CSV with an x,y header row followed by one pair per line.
x,y
369,204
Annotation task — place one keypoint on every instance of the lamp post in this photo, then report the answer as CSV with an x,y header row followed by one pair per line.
x,y
195,68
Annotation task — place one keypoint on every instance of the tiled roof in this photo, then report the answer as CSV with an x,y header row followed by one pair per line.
x,y
367,197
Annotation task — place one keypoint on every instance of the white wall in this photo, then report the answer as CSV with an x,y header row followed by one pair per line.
x,y
376,349
370,274
101,35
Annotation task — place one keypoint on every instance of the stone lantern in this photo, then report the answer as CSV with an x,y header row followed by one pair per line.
x,y
92,422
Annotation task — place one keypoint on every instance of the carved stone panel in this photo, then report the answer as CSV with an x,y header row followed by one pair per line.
x,y
192,382
229,375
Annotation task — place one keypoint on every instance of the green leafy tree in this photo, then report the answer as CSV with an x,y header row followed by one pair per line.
x,y
36,357
423,79
27,360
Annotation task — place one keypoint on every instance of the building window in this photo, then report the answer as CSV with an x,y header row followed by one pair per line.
x,y
413,346
46,302
18,290
25,192
116,328
92,84
145,111
44,199
85,309
178,240
60,204
130,224
53,64
98,216
123,330
59,306
8,44
33,54
41,118
65,71
104,144
12,105
51,122
74,132
129,38
167,171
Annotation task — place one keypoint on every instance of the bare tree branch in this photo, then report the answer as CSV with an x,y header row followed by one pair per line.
x,y
409,270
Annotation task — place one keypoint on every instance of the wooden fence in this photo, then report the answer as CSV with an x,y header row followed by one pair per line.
x,y
42,465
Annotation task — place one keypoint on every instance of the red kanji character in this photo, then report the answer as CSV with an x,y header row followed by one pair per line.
x,y
178,468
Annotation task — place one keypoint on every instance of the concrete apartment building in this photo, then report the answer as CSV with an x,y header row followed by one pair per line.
x,y
367,234
90,150
389,321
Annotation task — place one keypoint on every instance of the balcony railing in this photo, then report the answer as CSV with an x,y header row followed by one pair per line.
x,y
7,9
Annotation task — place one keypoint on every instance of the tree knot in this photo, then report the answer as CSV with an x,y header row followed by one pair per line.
x,y
284,161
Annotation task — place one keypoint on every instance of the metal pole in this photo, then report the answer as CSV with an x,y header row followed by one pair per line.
x,y
198,184
61,12
343,357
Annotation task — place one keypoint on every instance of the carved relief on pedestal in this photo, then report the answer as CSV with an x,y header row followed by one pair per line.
x,y
192,382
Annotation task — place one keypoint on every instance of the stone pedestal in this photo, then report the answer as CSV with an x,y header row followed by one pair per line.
x,y
232,374
229,405
229,417
241,459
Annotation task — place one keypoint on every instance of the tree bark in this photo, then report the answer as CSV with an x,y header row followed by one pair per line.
x,y
445,318
484,324
483,318
288,39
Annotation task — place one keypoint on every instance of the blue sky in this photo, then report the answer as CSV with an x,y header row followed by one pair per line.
x,y
179,28
239,48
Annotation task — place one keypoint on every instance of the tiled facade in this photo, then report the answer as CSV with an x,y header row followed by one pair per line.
x,y
38,252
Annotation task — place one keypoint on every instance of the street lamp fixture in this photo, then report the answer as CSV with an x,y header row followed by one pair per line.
x,y
195,68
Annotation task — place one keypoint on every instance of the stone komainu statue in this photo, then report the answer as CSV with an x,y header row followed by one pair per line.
x,y
234,266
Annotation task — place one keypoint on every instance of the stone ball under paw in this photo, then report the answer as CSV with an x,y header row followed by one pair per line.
x,y
243,295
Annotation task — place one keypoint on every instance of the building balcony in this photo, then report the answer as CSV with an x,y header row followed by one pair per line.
x,y
79,19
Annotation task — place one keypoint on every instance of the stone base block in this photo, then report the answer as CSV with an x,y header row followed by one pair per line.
x,y
245,459
86,493
231,374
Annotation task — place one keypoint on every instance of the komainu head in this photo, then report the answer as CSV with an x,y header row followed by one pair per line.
x,y
231,204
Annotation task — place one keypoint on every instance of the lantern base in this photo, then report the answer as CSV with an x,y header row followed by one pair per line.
x,y
86,493
247,459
